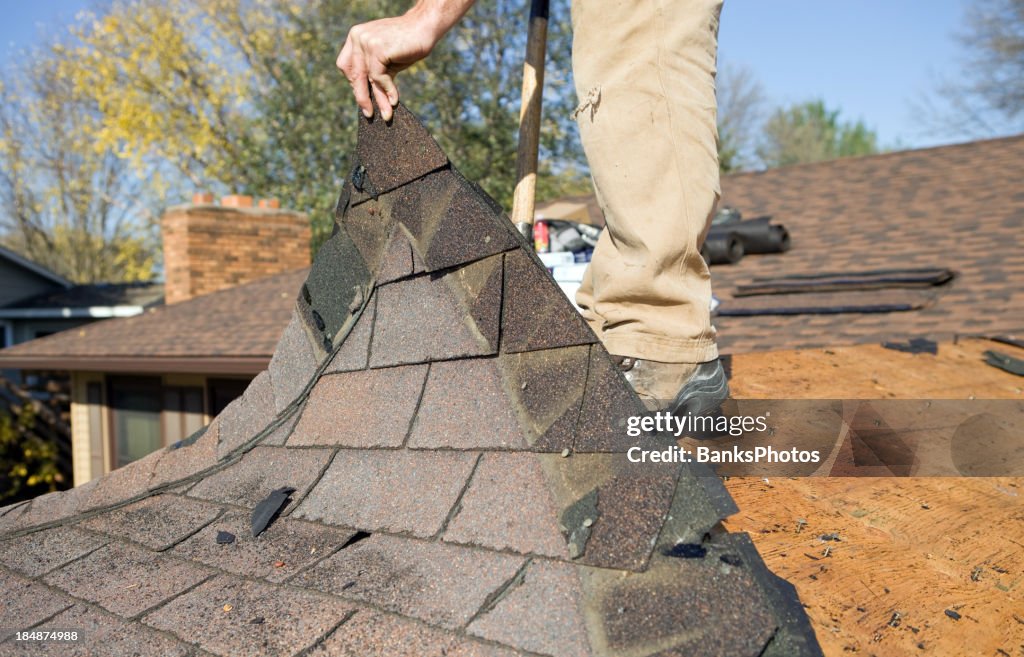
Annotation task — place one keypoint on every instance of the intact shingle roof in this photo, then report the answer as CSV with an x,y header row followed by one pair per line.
x,y
959,207
460,486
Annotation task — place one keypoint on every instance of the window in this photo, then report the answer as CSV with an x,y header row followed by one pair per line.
x,y
6,334
135,405
224,391
183,412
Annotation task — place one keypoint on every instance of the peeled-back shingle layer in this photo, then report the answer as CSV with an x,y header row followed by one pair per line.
x,y
454,435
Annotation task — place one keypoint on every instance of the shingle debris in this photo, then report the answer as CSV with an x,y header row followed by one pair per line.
x,y
267,510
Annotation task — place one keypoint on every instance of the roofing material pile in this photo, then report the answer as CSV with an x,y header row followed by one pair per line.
x,y
450,428
877,291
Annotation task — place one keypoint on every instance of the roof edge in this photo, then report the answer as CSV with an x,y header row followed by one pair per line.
x,y
70,312
140,364
34,267
876,156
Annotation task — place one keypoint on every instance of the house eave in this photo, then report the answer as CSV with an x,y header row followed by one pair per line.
x,y
91,312
228,365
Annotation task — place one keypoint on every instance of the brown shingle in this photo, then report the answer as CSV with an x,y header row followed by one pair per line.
x,y
395,491
396,152
98,628
444,585
39,553
220,615
127,580
293,364
543,613
436,318
535,315
491,511
246,416
373,634
371,408
465,406
25,603
262,470
156,522
282,550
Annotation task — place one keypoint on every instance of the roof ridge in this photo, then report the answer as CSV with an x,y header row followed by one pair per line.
x,y
849,159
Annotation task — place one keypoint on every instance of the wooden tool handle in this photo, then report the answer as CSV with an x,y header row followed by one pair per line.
x,y
529,118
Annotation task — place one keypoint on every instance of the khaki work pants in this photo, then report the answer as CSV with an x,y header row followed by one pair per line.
x,y
645,76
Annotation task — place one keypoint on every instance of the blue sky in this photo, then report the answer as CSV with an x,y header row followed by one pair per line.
x,y
869,58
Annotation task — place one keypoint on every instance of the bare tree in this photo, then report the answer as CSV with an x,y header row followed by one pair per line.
x,y
986,98
741,104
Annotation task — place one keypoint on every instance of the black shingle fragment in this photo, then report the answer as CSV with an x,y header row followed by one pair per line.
x,y
267,510
225,538
686,551
914,346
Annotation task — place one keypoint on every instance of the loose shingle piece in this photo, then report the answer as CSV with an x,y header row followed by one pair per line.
x,y
266,511
434,464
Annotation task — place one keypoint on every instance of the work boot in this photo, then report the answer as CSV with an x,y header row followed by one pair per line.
x,y
679,388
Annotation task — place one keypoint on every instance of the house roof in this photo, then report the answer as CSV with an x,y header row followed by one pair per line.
x,y
33,267
581,209
959,207
449,434
97,300
228,332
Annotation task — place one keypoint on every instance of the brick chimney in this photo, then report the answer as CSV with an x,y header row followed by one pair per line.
x,y
209,247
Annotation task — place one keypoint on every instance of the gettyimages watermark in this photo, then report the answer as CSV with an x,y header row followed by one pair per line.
x,y
846,438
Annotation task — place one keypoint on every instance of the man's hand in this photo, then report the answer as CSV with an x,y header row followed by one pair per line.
x,y
375,52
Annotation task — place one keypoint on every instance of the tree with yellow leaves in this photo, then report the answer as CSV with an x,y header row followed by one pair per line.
x,y
243,95
64,202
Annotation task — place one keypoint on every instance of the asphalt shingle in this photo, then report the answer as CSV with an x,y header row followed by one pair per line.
x,y
127,580
39,553
536,315
233,617
260,471
370,408
386,490
543,613
437,318
282,550
246,416
444,585
98,628
293,364
465,406
156,522
490,512
25,603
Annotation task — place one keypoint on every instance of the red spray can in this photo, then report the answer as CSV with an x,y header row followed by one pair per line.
x,y
541,237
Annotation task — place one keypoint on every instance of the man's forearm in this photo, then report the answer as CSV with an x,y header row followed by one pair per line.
x,y
439,15
375,52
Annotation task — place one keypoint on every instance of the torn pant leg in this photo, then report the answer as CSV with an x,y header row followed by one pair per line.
x,y
645,74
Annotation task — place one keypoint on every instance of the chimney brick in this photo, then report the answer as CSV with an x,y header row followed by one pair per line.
x,y
236,201
209,247
202,198
270,203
